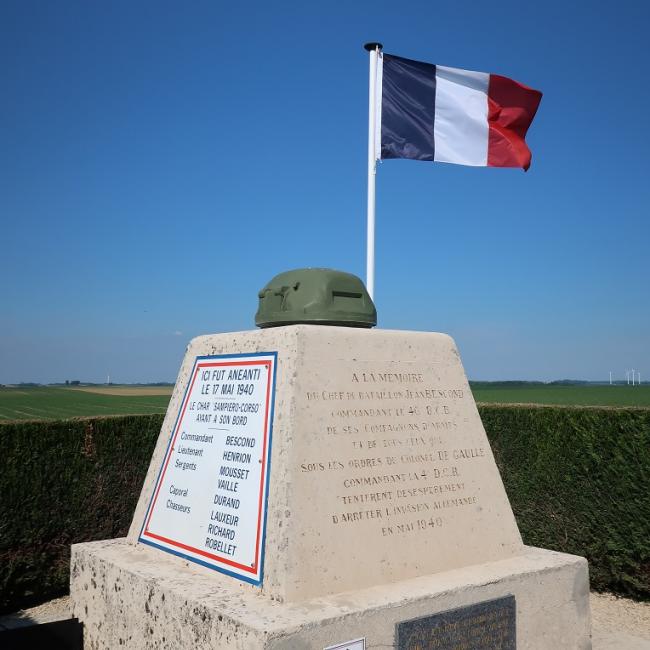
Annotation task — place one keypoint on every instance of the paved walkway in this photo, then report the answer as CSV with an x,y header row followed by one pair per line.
x,y
617,623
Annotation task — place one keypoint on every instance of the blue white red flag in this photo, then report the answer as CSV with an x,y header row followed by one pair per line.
x,y
432,112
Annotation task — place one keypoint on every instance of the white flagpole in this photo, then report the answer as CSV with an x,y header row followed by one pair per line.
x,y
373,49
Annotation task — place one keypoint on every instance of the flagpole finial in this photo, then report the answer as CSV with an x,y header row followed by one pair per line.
x,y
372,46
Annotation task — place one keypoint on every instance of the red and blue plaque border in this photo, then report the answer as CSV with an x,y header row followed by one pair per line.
x,y
252,574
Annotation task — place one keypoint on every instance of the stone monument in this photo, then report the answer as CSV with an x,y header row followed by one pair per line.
x,y
321,486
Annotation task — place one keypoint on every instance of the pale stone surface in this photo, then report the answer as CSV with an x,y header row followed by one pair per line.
x,y
378,456
384,505
609,616
131,596
405,393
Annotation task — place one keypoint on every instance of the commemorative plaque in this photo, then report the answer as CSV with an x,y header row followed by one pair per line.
x,y
209,501
489,625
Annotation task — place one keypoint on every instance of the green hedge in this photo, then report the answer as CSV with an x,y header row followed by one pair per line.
x,y
578,480
63,482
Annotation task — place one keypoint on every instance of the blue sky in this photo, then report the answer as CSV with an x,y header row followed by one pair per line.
x,y
160,162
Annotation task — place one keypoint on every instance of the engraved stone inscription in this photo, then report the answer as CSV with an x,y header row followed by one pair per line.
x,y
391,460
399,461
490,625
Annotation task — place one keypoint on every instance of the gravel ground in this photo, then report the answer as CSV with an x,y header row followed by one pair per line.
x,y
53,610
612,614
617,623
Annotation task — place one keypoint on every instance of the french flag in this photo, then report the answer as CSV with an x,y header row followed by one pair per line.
x,y
432,112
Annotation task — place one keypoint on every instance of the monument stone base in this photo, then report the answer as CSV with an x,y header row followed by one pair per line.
x,y
320,487
136,597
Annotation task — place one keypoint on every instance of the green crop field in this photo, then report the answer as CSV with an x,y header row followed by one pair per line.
x,y
580,395
55,403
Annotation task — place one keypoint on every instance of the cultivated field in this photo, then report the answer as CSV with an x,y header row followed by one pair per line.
x,y
125,390
587,395
55,403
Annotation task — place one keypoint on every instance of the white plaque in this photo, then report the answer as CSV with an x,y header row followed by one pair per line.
x,y
357,644
209,502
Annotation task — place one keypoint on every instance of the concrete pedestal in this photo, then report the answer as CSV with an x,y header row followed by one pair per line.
x,y
379,502
135,597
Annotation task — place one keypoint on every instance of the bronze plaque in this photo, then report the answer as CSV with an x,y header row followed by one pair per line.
x,y
489,625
